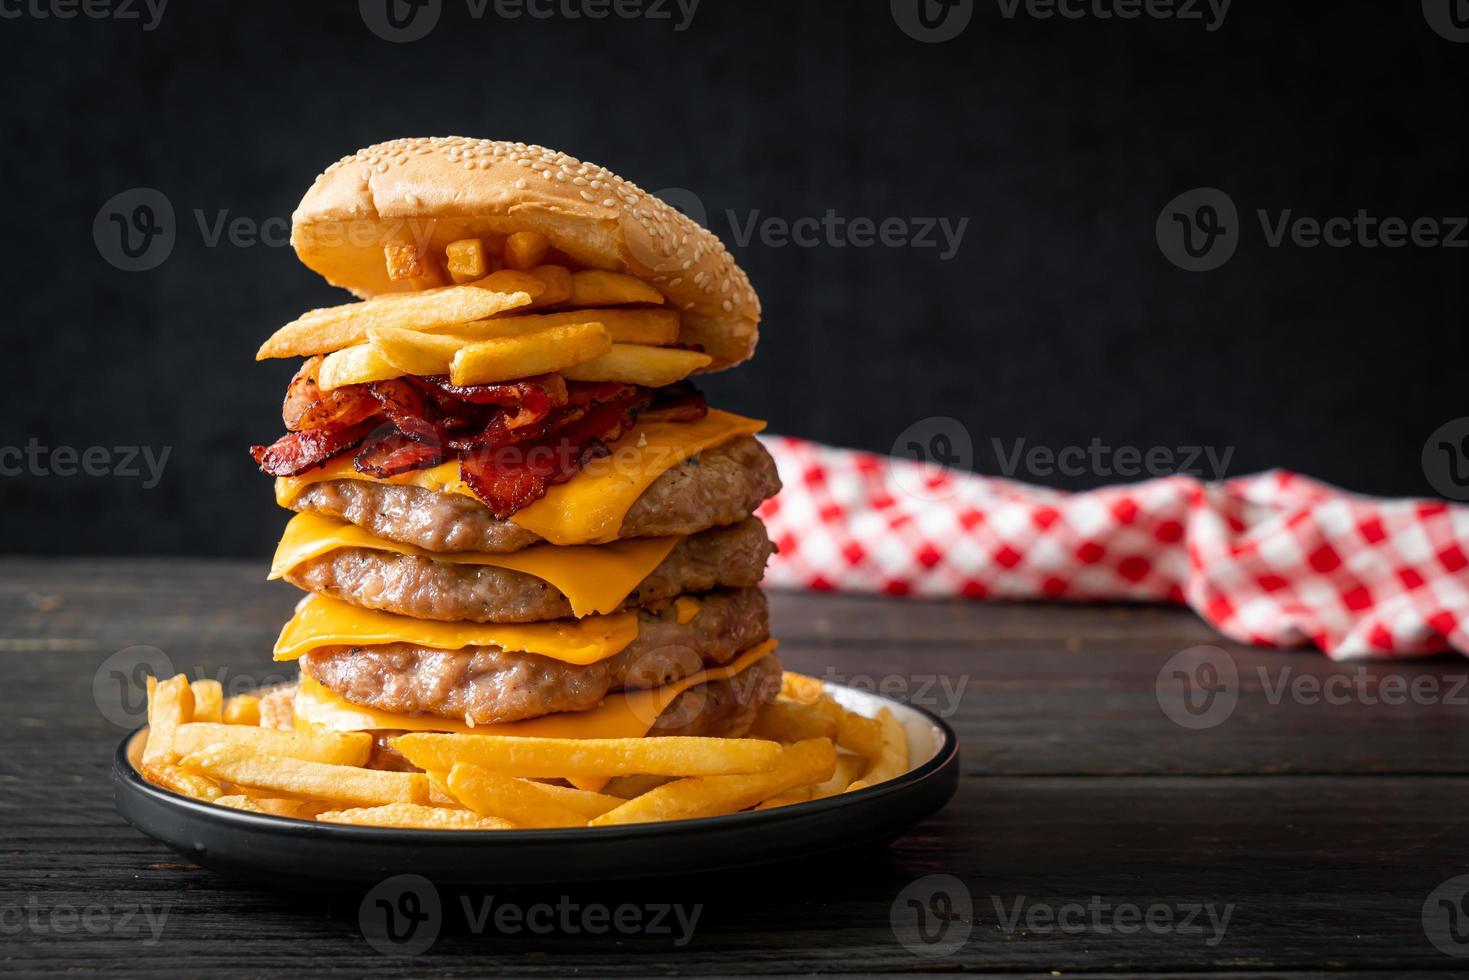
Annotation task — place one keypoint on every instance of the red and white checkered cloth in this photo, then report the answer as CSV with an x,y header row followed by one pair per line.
x,y
1274,559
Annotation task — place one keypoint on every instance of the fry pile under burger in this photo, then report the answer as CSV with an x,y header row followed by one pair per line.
x,y
527,543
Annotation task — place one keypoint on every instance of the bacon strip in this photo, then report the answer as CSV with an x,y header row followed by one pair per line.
x,y
408,410
307,407
393,453
681,402
296,452
512,477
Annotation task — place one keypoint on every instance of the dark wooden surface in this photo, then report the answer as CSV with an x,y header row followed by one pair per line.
x,y
1322,827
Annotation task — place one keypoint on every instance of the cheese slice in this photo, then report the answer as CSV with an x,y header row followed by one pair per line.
x,y
590,507
594,578
625,714
322,621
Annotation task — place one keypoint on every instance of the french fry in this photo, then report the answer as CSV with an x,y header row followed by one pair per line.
x,y
580,801
439,793
892,761
799,687
799,794
557,282
525,249
283,776
242,709
355,365
638,364
523,803
338,327
848,768
653,327
792,721
183,782
404,262
860,735
297,809
674,755
170,704
415,352
706,796
208,700
508,358
239,802
335,748
466,259
413,816
596,287
626,787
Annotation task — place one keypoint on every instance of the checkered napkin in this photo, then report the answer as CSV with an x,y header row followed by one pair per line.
x,y
1274,559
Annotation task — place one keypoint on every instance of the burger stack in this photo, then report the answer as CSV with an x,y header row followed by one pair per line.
x,y
514,511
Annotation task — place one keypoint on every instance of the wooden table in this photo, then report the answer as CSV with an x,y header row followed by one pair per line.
x,y
1091,833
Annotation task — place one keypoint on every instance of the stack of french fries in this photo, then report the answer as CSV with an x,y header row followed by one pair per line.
x,y
803,746
484,329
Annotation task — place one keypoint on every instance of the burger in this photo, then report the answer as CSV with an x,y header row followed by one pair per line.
x,y
514,511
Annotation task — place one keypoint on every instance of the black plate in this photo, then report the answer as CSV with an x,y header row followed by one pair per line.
x,y
285,852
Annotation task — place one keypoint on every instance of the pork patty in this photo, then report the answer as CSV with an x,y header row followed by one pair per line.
x,y
718,709
719,486
722,557
485,685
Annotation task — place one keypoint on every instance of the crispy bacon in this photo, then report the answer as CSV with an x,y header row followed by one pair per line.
x,y
681,402
308,407
392,453
514,440
405,406
511,477
296,452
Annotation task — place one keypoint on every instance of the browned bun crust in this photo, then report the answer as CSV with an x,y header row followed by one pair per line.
x,y
432,191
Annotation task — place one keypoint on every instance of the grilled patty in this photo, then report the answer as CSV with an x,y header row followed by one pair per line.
x,y
718,709
485,685
723,557
719,486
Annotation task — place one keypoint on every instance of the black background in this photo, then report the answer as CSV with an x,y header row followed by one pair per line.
x,y
1058,320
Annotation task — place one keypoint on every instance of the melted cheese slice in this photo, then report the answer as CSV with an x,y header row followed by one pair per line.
x,y
322,621
594,578
590,507
626,714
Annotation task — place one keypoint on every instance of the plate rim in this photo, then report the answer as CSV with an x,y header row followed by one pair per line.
x,y
945,754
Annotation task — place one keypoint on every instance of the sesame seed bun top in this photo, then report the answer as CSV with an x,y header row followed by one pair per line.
x,y
433,191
